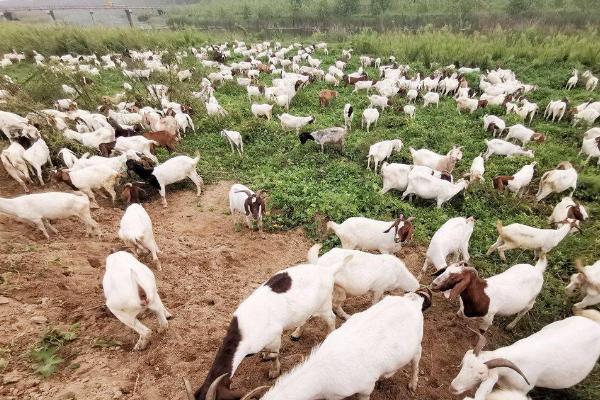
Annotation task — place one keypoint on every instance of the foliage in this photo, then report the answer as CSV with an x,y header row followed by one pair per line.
x,y
44,355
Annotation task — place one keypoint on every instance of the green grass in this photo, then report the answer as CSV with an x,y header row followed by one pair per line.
x,y
44,356
306,188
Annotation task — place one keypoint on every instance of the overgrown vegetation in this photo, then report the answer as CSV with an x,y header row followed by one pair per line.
x,y
306,187
386,14
45,355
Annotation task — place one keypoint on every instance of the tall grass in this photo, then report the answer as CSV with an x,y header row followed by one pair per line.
x,y
425,45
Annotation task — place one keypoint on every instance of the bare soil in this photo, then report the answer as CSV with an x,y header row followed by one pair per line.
x,y
210,264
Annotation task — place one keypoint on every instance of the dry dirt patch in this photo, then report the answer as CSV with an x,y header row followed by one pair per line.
x,y
209,266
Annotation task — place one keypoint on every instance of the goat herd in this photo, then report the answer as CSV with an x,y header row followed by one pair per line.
x,y
384,338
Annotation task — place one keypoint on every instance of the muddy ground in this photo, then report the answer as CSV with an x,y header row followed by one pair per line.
x,y
209,266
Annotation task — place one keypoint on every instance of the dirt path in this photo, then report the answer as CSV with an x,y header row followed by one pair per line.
x,y
209,266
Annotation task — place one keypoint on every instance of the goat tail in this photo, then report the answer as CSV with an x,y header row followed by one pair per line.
x,y
142,294
542,263
197,157
332,226
335,268
313,254
589,313
499,227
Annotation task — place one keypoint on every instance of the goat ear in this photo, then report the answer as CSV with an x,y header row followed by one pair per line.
x,y
411,219
460,286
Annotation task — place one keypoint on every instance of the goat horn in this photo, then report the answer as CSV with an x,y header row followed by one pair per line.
x,y
188,389
211,394
480,343
503,362
254,392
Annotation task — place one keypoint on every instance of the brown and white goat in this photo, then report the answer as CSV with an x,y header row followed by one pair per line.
x,y
511,292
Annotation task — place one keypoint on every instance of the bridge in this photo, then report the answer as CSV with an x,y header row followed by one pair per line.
x,y
9,12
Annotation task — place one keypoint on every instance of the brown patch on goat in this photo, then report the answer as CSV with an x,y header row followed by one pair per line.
x,y
574,212
538,137
143,296
470,288
404,233
106,148
132,193
501,181
223,364
163,138
62,175
254,205
280,283
482,104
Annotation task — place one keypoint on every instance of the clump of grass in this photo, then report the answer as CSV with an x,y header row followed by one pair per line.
x,y
44,355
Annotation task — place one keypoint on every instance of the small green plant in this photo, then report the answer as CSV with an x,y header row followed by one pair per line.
x,y
103,343
44,355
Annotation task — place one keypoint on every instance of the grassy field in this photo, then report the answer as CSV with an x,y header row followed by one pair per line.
x,y
306,188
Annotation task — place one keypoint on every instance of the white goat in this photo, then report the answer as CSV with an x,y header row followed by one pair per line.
x,y
359,353
452,238
135,230
235,140
556,110
138,144
518,182
437,161
524,135
370,117
572,82
431,98
15,165
292,122
587,279
575,344
494,124
511,292
378,101
265,110
348,116
504,148
91,178
477,169
366,273
174,170
380,151
39,208
431,187
37,156
367,234
567,208
130,288
286,301
395,176
558,180
410,110
519,236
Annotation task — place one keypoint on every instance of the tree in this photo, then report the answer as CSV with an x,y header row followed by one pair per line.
x,y
379,7
347,7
